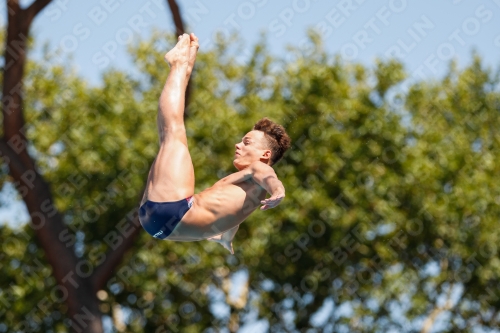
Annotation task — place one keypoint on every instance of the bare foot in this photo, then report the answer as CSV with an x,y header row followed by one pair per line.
x,y
194,45
179,55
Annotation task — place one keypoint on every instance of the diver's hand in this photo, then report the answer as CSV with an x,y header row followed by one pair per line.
x,y
273,201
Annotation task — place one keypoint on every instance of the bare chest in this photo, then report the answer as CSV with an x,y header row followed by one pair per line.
x,y
220,208
233,199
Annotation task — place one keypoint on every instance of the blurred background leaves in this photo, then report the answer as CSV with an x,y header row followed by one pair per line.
x,y
391,208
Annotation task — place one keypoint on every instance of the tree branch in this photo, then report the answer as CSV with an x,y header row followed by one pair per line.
x,y
16,166
131,228
429,321
179,30
176,16
12,6
48,226
35,8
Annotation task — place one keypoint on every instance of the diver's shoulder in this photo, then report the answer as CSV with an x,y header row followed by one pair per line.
x,y
259,166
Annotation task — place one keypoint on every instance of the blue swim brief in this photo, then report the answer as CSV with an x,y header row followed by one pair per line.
x,y
159,219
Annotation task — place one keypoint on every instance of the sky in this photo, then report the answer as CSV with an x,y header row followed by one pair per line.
x,y
423,34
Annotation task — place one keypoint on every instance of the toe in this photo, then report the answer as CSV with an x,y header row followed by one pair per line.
x,y
187,39
194,40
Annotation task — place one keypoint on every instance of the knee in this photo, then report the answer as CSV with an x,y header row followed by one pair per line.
x,y
176,130
174,133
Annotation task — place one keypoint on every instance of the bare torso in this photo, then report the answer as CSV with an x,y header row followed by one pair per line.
x,y
218,209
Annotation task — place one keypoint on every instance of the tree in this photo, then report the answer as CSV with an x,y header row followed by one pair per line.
x,y
54,236
370,223
47,221
391,195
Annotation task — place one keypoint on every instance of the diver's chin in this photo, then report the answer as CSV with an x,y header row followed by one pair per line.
x,y
237,165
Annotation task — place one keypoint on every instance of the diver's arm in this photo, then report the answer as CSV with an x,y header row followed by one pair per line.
x,y
237,177
261,173
265,176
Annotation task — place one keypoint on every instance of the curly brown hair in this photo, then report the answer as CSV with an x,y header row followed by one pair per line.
x,y
277,138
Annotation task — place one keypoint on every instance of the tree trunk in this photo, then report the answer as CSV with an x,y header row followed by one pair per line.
x,y
73,286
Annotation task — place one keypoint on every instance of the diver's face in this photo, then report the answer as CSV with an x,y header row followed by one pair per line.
x,y
252,148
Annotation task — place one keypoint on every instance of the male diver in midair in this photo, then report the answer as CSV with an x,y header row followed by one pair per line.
x,y
170,209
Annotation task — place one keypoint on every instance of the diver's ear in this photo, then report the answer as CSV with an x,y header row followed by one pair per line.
x,y
267,155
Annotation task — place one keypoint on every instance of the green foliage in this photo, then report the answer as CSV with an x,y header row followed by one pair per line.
x,y
379,214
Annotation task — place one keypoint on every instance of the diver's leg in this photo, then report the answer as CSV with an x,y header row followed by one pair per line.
x,y
171,177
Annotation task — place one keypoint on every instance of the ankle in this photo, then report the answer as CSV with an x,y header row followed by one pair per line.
x,y
178,75
179,69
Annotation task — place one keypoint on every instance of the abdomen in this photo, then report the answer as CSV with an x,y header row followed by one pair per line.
x,y
221,208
